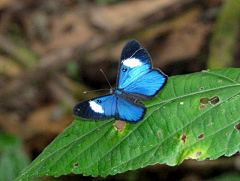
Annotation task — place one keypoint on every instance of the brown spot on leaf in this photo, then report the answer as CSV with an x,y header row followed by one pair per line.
x,y
184,138
202,106
198,153
237,126
120,125
201,136
227,134
159,134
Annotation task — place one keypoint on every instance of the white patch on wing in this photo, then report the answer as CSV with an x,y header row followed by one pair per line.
x,y
96,107
132,62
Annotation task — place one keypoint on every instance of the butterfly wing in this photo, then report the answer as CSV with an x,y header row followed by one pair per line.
x,y
135,62
136,76
98,108
128,111
107,107
136,79
147,86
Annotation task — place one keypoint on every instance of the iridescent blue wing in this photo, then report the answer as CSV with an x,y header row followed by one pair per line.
x,y
135,62
98,108
147,86
136,76
129,111
107,107
136,79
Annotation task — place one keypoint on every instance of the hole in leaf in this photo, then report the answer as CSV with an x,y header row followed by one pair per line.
x,y
183,138
214,100
120,125
210,124
204,100
159,134
198,153
201,88
201,136
75,165
237,126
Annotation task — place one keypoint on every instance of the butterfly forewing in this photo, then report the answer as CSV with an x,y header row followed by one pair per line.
x,y
99,108
134,63
135,72
107,107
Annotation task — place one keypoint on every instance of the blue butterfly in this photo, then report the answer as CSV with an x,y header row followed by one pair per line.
x,y
137,81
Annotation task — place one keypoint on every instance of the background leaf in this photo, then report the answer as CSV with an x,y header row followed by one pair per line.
x,y
223,46
195,116
12,158
230,176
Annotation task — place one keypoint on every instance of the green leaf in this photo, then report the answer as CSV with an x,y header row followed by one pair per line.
x,y
12,158
195,116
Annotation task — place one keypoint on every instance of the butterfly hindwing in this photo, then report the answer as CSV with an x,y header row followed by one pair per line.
x,y
148,85
128,111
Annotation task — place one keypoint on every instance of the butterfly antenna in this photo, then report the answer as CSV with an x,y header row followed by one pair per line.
x,y
95,90
136,52
106,78
100,89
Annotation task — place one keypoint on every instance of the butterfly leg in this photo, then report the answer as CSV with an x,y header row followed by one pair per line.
x,y
136,101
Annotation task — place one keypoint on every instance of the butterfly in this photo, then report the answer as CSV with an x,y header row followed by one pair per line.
x,y
137,81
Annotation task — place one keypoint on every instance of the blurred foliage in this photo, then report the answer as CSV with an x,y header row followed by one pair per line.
x,y
226,36
108,1
16,47
12,157
226,177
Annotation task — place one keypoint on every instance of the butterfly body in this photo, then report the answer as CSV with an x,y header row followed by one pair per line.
x,y
137,81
